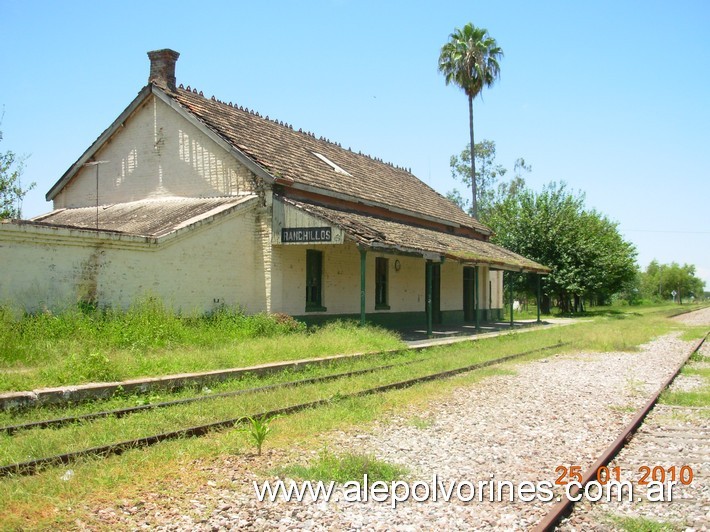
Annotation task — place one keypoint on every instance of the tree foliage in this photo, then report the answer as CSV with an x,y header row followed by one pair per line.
x,y
589,258
488,172
470,60
659,281
11,190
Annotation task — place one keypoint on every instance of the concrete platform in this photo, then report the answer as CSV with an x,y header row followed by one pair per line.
x,y
414,338
442,335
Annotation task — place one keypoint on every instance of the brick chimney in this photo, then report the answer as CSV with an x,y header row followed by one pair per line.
x,y
162,68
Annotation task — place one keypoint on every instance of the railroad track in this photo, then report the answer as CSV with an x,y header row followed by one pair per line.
x,y
35,465
566,505
121,412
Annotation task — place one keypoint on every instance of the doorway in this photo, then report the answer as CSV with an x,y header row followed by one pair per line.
x,y
435,293
469,298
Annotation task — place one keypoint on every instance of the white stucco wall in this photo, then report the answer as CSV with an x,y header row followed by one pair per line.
x,y
496,282
451,286
341,278
341,281
157,153
406,286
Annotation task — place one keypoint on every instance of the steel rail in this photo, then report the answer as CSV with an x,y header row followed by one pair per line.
x,y
564,507
32,466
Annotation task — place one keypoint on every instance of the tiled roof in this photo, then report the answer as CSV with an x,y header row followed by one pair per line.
x,y
289,154
383,234
149,217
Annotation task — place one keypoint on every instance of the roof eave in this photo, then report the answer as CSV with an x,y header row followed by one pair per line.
x,y
435,255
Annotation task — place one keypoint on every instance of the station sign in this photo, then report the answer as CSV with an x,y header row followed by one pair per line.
x,y
303,235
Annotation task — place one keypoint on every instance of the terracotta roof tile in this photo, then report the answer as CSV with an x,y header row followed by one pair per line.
x,y
287,153
383,234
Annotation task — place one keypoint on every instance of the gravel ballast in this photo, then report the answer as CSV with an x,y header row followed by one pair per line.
x,y
560,411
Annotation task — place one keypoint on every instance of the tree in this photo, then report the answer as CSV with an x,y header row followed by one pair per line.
x,y
470,60
11,191
487,173
659,281
588,257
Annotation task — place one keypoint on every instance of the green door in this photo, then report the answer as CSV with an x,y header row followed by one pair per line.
x,y
469,283
435,293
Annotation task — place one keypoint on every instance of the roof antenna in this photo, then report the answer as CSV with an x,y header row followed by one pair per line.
x,y
96,164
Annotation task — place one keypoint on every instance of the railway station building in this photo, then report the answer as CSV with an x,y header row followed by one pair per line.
x,y
204,204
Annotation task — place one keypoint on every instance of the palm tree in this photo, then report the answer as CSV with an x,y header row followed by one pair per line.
x,y
470,60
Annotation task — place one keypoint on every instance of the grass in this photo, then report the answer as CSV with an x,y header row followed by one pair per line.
x,y
36,443
44,501
344,468
83,346
699,397
39,442
421,423
78,347
176,469
247,381
643,524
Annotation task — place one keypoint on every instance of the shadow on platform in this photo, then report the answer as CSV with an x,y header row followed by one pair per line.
x,y
441,333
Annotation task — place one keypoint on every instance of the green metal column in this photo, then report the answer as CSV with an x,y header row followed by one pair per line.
x,y
539,298
475,297
429,306
510,280
363,290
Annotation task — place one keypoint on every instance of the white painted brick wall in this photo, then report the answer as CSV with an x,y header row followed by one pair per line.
x,y
219,261
157,154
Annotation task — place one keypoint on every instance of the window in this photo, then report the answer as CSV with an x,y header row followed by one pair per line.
x,y
381,267
314,280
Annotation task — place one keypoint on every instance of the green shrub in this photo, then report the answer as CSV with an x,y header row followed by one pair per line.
x,y
88,367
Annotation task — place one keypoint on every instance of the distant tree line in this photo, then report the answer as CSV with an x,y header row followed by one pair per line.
x,y
663,282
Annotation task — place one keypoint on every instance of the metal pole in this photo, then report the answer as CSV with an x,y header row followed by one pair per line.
x,y
96,164
97,196
510,280
363,286
429,306
539,298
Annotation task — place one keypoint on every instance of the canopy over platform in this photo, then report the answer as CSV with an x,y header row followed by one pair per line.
x,y
378,234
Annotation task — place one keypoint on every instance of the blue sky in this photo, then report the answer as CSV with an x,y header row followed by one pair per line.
x,y
610,96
